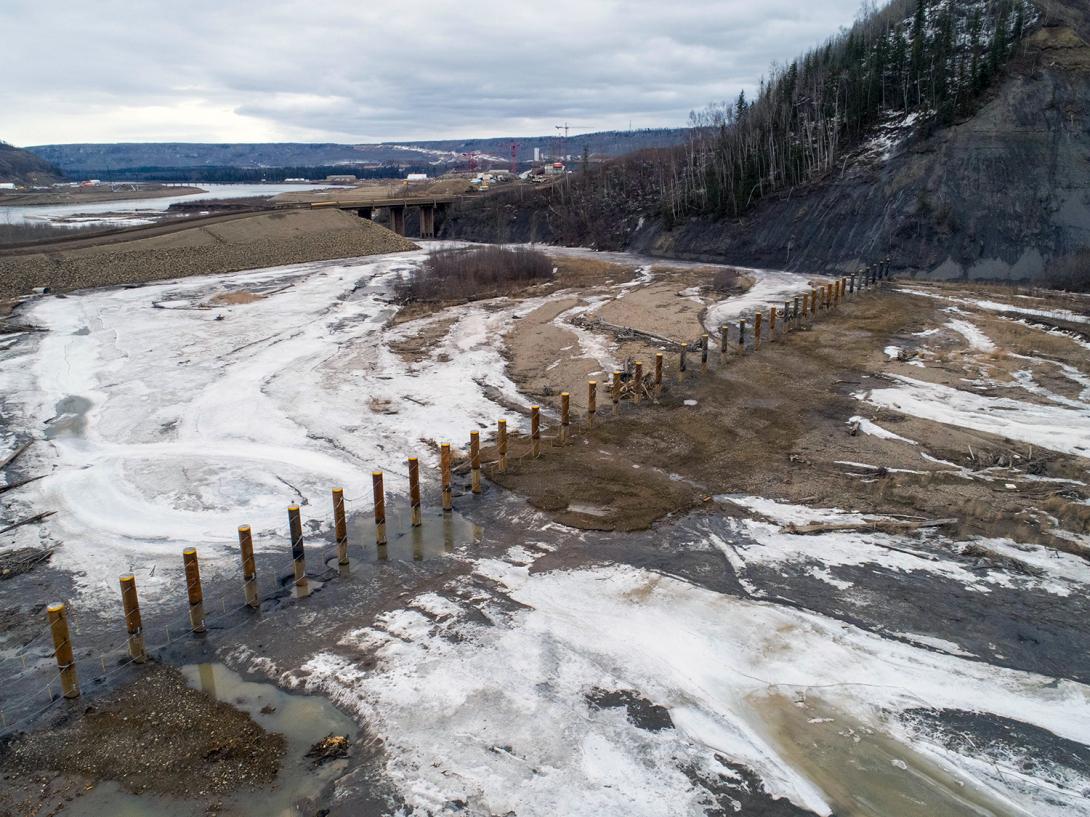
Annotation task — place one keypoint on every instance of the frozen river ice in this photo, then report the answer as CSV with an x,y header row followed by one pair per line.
x,y
170,418
131,212
576,672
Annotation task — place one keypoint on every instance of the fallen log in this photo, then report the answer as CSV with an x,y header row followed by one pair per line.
x,y
30,520
880,525
14,455
19,484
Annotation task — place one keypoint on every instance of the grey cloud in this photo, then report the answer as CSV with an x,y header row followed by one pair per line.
x,y
354,71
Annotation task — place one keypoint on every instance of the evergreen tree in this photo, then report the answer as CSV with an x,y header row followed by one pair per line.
x,y
919,47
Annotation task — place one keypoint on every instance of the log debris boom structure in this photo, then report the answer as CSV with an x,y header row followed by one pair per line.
x,y
805,307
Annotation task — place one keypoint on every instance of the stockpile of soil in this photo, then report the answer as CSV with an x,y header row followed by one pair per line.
x,y
248,242
156,735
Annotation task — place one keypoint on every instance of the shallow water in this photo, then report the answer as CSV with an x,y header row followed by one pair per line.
x,y
71,418
863,772
302,719
439,533
57,213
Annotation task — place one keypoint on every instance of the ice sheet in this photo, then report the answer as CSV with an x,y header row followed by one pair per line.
x,y
178,420
770,288
1005,417
499,716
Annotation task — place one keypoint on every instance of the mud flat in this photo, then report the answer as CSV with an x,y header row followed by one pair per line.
x,y
843,574
246,242
182,743
808,419
77,195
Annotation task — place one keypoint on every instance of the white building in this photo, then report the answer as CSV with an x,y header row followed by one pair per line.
x,y
416,177
7,185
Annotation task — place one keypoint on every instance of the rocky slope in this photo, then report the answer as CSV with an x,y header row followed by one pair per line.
x,y
1004,194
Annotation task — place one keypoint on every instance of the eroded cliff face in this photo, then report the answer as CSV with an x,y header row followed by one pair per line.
x,y
1002,195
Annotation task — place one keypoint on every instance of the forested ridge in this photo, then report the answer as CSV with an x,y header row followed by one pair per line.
x,y
20,166
913,64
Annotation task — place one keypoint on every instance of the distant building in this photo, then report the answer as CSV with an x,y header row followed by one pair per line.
x,y
346,179
7,185
537,154
416,177
294,181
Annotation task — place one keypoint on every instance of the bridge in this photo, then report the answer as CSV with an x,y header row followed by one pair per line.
x,y
365,207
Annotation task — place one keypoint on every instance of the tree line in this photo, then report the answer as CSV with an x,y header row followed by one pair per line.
x,y
918,63
251,175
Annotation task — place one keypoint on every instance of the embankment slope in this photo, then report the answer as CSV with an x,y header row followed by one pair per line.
x,y
246,242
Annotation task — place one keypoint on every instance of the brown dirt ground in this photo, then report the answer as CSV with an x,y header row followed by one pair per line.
x,y
244,242
86,195
542,355
196,746
571,273
775,424
234,298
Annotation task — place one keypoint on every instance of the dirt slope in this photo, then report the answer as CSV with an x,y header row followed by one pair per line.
x,y
247,242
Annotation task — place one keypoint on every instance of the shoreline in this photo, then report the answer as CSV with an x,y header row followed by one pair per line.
x,y
250,241
75,195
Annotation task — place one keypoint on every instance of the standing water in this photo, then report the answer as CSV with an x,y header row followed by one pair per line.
x,y
127,212
302,719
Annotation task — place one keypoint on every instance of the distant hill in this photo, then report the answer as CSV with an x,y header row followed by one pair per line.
x,y
23,167
112,160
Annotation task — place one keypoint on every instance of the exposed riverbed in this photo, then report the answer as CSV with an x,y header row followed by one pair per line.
x,y
499,661
122,212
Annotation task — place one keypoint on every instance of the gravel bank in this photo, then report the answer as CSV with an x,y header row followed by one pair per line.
x,y
157,735
249,242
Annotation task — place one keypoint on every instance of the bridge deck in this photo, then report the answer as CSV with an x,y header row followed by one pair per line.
x,y
383,201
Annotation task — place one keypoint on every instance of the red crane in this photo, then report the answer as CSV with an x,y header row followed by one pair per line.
x,y
515,157
471,157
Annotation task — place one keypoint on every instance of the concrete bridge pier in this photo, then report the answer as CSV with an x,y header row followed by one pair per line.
x,y
427,221
397,218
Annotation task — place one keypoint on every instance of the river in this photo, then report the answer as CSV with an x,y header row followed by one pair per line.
x,y
132,212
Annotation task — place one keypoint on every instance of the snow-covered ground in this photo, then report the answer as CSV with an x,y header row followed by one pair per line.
x,y
770,288
1016,419
169,419
165,415
500,715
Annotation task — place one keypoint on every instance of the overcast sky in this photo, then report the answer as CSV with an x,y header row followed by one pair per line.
x,y
362,70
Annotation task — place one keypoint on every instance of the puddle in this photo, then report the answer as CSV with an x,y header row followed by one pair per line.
x,y
70,419
589,510
865,773
439,534
302,719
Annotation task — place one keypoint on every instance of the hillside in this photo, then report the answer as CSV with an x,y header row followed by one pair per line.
x,y
110,160
1003,193
971,159
23,167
